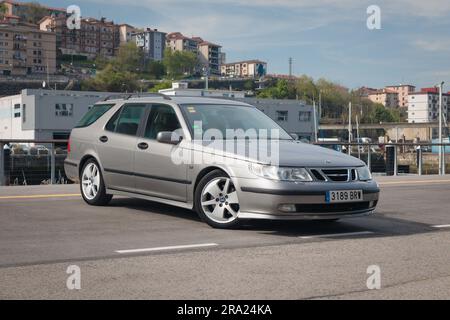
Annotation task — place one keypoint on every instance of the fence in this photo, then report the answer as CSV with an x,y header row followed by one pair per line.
x,y
31,162
43,163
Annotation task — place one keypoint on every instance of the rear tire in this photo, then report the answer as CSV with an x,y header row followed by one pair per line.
x,y
92,185
216,200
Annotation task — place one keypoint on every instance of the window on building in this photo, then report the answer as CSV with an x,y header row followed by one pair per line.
x,y
64,109
24,113
282,115
304,116
17,110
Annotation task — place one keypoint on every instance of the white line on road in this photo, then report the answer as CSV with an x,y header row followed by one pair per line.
x,y
188,246
337,235
441,226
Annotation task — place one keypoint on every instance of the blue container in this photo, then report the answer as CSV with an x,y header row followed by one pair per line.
x,y
435,149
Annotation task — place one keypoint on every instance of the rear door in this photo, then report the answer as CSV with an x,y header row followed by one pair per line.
x,y
116,146
156,173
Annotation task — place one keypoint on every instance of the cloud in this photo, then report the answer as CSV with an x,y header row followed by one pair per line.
x,y
433,45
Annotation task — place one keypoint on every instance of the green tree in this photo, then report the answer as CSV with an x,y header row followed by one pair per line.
x,y
3,10
113,80
129,58
283,89
156,69
249,85
382,114
178,63
161,86
306,89
34,12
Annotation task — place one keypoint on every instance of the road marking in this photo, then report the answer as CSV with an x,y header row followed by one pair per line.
x,y
337,235
188,246
36,196
441,226
413,181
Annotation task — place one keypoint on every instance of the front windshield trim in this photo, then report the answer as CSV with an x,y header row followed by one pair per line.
x,y
183,107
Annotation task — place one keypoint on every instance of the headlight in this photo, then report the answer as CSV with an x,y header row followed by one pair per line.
x,y
364,173
280,173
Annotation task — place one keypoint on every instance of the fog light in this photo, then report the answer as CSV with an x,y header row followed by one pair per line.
x,y
287,207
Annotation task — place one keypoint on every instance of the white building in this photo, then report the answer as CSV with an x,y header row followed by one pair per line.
x,y
44,114
424,106
152,42
181,89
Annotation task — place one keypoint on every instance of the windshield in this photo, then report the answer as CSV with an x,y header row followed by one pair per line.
x,y
231,122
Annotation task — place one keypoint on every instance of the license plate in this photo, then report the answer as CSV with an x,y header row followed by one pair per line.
x,y
343,196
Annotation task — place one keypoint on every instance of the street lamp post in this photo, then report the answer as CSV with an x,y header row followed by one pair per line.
x,y
441,153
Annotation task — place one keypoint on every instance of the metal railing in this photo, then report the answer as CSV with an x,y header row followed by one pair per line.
x,y
383,158
366,150
45,153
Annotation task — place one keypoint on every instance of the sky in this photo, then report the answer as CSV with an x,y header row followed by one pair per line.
x,y
325,38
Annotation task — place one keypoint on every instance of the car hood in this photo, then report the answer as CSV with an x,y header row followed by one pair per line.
x,y
290,153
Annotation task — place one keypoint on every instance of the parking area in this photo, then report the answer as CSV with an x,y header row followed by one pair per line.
x,y
140,249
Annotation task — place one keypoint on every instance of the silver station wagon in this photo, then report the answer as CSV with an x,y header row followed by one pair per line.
x,y
224,159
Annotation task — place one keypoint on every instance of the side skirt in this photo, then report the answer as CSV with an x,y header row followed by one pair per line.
x,y
185,205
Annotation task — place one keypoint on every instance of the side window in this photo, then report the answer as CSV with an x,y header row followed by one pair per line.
x,y
161,118
126,121
93,115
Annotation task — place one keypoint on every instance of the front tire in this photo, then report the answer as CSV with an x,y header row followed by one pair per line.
x,y
92,185
216,200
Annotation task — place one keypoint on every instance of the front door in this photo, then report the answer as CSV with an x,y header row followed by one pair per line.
x,y
156,174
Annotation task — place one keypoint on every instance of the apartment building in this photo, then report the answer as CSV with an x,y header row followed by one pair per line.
x,y
403,91
423,106
209,55
176,41
386,97
152,42
126,33
244,69
95,37
22,10
44,114
24,49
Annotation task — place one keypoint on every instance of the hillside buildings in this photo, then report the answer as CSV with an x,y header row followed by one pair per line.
x,y
244,69
26,50
423,106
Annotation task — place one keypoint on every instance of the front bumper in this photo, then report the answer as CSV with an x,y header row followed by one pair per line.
x,y
261,198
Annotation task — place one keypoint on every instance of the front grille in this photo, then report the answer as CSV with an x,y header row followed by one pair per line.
x,y
337,175
334,175
332,207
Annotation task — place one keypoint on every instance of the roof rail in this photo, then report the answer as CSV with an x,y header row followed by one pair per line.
x,y
127,96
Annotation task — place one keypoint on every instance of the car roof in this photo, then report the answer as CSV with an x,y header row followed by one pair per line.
x,y
176,99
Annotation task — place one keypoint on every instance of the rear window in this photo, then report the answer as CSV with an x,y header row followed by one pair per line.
x,y
93,114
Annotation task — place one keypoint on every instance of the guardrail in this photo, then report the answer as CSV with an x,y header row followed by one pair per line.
x,y
396,149
48,158
387,156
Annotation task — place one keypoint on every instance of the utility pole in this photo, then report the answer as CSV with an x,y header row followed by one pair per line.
x,y
350,134
290,67
315,122
441,153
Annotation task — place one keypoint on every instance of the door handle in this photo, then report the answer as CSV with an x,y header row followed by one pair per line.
x,y
103,139
142,145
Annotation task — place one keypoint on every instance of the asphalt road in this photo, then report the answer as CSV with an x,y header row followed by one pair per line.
x,y
140,249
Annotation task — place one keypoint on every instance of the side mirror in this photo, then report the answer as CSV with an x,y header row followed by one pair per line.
x,y
169,137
